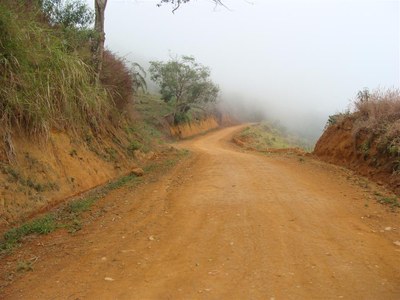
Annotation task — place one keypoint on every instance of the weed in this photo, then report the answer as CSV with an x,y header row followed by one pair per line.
x,y
24,266
396,167
75,225
111,154
16,177
364,148
121,182
134,145
42,225
81,205
73,153
392,201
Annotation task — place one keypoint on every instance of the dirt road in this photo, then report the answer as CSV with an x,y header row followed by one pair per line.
x,y
227,224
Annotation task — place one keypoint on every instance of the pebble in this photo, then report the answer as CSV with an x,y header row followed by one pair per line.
x,y
151,238
108,279
388,228
397,243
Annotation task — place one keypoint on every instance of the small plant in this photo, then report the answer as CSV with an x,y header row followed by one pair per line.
x,y
134,145
13,237
396,167
364,148
24,266
81,205
111,154
75,225
335,119
73,152
391,201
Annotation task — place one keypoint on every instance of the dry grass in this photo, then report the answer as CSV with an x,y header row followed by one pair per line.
x,y
378,116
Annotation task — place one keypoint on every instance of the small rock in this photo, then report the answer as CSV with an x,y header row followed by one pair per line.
x,y
151,238
388,228
138,171
397,243
104,258
108,279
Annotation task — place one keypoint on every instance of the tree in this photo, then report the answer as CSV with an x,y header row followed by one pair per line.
x,y
98,49
68,13
100,7
185,83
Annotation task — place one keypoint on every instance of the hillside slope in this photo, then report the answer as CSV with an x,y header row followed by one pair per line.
x,y
41,173
267,137
367,140
61,131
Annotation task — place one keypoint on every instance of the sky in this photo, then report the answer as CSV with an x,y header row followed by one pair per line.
x,y
295,61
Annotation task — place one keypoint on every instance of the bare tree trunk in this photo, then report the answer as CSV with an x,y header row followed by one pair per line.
x,y
100,7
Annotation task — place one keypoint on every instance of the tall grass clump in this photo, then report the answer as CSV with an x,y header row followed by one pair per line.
x,y
43,84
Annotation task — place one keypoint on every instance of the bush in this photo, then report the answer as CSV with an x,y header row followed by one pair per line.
x,y
117,79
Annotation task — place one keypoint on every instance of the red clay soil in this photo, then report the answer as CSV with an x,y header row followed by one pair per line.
x,y
360,153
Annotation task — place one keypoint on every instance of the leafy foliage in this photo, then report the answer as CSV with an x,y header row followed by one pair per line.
x,y
185,83
68,13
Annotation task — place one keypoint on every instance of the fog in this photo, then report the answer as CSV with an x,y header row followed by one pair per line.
x,y
293,61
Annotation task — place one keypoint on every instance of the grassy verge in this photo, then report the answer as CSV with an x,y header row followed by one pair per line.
x,y
265,135
69,216
391,201
65,217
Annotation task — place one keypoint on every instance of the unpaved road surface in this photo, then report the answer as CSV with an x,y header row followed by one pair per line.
x,y
226,224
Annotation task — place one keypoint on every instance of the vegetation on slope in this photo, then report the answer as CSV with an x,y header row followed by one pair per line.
x,y
45,81
263,136
367,138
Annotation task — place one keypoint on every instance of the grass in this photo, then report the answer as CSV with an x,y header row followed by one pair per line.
x,y
47,78
41,225
68,217
393,202
152,108
15,176
44,85
264,135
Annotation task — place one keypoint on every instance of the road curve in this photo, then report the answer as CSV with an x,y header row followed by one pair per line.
x,y
227,224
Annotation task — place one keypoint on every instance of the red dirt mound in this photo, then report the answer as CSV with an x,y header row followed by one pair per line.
x,y
360,151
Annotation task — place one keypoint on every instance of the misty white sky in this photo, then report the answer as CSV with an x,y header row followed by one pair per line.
x,y
298,61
